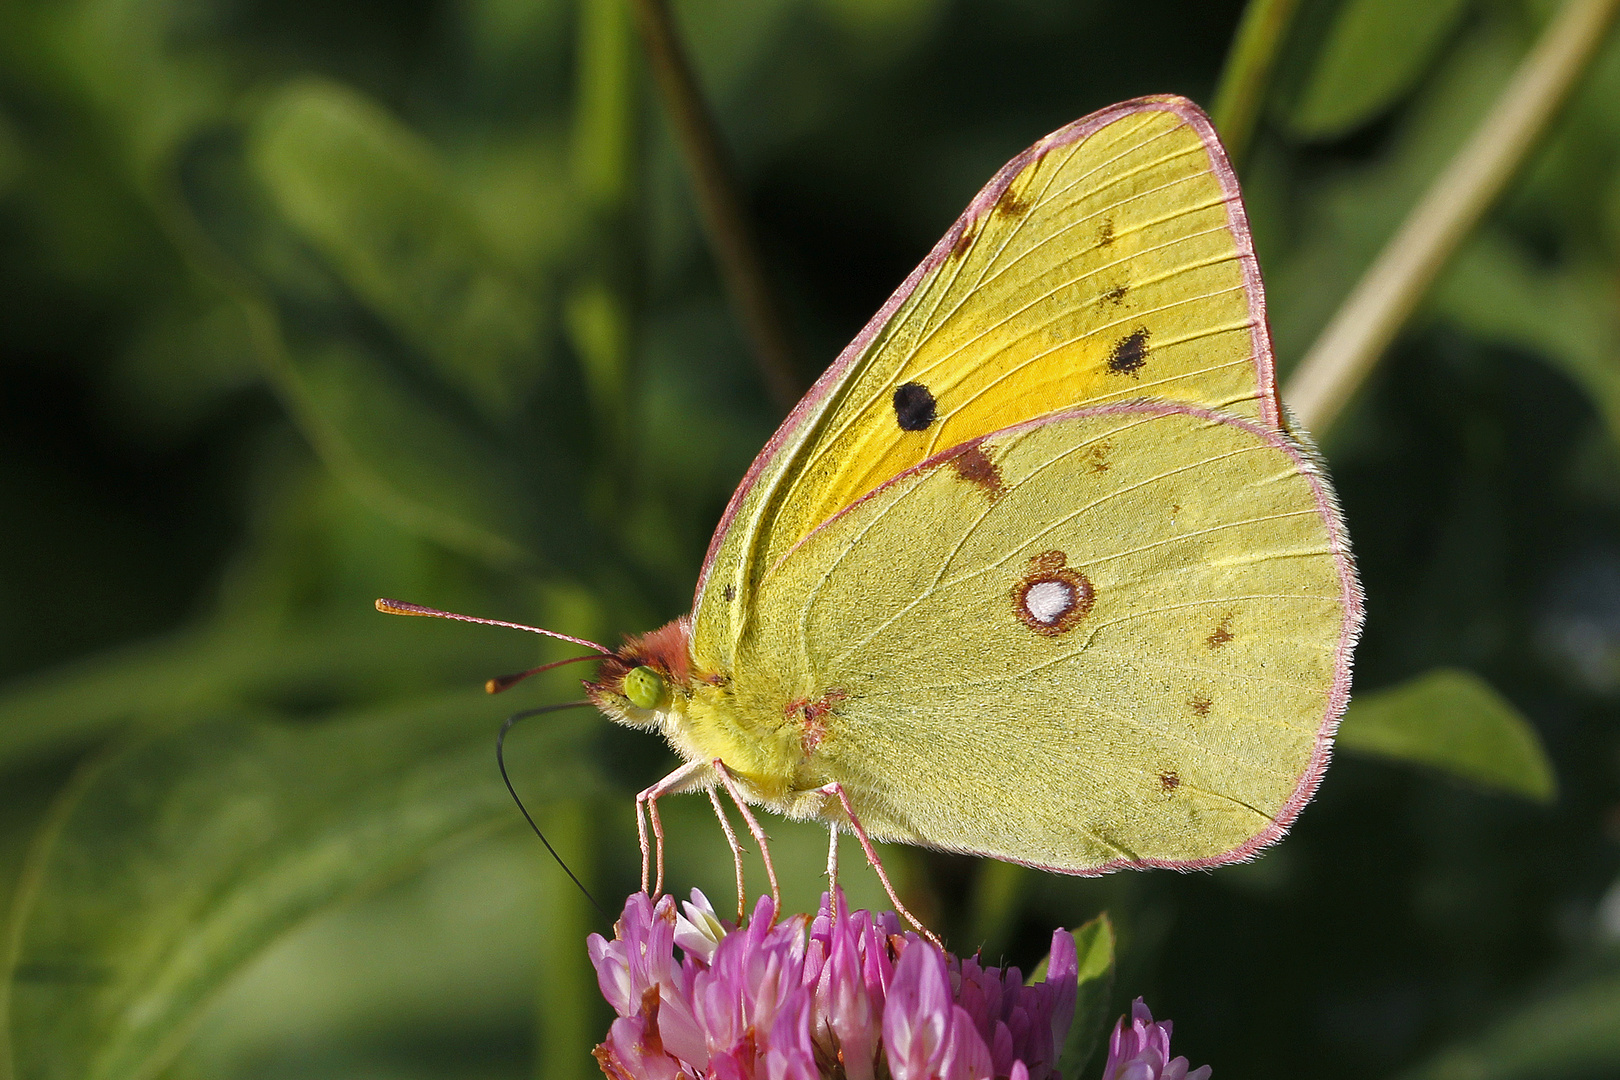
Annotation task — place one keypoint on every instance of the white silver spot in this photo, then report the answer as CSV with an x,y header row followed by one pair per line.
x,y
1048,601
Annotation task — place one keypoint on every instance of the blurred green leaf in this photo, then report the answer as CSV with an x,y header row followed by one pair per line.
x,y
1375,51
372,197
1611,211
1572,1033
414,460
400,430
121,60
1565,312
599,329
999,890
1453,720
174,861
1346,213
12,155
352,660
446,950
728,41
883,24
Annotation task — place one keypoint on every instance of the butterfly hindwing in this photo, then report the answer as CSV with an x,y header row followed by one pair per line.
x,y
1116,636
1109,262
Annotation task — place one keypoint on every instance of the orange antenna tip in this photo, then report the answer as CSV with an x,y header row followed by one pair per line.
x,y
400,607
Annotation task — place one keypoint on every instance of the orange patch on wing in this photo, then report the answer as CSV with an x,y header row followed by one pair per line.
x,y
813,717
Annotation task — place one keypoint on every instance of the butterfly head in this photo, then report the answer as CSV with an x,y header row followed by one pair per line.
x,y
641,682
646,687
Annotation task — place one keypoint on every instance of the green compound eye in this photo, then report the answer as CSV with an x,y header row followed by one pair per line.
x,y
644,687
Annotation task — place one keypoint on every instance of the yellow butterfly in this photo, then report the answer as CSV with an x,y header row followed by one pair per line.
x,y
1038,569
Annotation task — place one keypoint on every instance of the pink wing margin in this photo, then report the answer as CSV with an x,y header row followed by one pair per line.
x,y
1221,166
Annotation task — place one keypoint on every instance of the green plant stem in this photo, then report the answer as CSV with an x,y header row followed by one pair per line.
x,y
598,313
719,202
605,108
568,984
1398,279
1242,90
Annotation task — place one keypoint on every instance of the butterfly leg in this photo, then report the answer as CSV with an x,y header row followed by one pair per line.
x,y
836,790
832,858
649,799
736,851
754,830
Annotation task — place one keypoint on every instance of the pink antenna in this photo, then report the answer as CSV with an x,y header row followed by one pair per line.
x,y
400,607
506,682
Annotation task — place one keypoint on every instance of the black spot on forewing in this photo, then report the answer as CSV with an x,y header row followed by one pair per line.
x,y
1130,353
730,593
913,406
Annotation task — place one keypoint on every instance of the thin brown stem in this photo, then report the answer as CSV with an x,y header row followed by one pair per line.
x,y
1398,279
719,202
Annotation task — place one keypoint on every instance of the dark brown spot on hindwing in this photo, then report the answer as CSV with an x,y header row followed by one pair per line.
x,y
974,465
1169,781
1130,353
1011,203
1105,232
914,406
1052,597
1222,634
964,240
730,593
1116,294
1200,705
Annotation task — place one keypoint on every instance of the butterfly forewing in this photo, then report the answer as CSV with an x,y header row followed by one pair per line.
x,y
1109,262
1121,636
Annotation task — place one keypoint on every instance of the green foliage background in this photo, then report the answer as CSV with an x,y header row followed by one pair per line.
x,y
303,304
